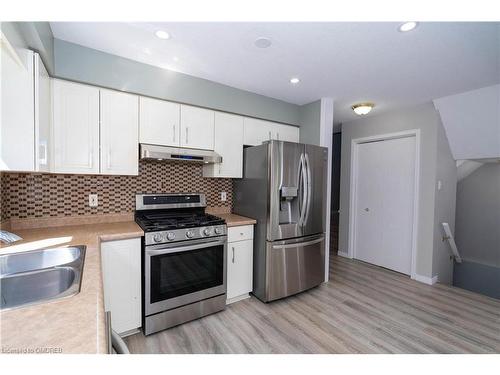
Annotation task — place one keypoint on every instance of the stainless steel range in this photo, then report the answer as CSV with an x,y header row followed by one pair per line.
x,y
184,259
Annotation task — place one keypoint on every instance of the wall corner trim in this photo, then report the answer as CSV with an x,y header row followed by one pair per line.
x,y
425,279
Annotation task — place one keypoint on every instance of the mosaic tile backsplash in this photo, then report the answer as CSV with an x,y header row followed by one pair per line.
x,y
31,195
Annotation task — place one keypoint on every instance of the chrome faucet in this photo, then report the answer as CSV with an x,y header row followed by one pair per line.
x,y
8,237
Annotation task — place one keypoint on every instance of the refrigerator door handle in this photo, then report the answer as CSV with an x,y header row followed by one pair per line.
x,y
303,193
297,244
308,188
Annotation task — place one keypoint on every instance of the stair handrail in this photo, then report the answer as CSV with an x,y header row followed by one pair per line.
x,y
451,241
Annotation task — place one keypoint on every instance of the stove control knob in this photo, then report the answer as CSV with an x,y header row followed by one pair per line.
x,y
207,232
218,230
170,236
189,234
157,237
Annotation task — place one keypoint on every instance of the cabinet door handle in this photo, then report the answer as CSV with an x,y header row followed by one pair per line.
x,y
187,137
233,253
42,159
109,158
269,135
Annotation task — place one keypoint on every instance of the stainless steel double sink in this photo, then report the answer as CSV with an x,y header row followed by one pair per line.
x,y
39,276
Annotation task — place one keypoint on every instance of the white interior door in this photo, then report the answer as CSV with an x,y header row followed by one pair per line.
x,y
385,179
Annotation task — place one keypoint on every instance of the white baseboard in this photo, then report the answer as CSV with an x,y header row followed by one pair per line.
x,y
343,254
238,298
426,280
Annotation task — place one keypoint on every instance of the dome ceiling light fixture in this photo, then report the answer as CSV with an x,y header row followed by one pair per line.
x,y
294,80
407,26
362,109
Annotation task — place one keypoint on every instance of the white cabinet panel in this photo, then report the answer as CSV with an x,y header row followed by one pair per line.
x,y
240,233
159,122
119,133
239,269
17,131
43,116
75,127
286,133
228,144
256,131
197,128
121,273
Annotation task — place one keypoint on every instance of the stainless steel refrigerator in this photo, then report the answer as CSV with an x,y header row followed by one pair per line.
x,y
284,189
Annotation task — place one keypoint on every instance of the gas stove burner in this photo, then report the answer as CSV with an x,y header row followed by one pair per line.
x,y
167,221
176,217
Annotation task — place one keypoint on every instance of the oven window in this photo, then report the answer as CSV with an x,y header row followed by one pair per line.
x,y
176,274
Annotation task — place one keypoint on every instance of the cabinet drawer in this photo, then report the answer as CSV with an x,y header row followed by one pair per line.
x,y
244,232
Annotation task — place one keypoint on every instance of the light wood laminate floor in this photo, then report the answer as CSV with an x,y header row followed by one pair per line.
x,y
362,309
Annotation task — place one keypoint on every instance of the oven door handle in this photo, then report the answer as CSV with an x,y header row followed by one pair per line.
x,y
162,250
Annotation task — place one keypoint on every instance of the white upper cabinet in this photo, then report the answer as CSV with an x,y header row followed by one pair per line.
x,y
286,133
257,131
17,134
75,128
119,133
229,145
159,122
197,128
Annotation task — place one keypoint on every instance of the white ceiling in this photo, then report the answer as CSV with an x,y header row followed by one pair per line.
x,y
350,62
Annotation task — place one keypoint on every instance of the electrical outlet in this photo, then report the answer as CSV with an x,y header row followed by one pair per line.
x,y
223,196
93,200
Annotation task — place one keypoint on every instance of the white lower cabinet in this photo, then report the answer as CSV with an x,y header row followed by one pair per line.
x,y
239,263
121,273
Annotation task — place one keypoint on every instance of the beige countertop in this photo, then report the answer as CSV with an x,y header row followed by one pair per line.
x,y
233,220
74,324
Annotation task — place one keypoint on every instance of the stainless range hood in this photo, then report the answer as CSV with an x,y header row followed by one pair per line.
x,y
155,152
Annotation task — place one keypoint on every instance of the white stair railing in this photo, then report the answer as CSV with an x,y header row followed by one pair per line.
x,y
451,241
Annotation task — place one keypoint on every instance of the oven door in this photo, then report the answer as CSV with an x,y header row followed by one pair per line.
x,y
179,274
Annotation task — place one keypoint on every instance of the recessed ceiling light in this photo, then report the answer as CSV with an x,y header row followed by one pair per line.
x,y
263,42
162,34
294,80
362,108
407,26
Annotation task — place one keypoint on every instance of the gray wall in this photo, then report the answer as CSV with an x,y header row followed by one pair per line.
x,y
36,36
444,210
478,215
82,64
309,118
425,118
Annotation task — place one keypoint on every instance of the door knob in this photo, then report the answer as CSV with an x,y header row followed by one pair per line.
x,y
367,209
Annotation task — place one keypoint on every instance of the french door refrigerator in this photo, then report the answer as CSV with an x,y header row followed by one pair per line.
x,y
284,189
